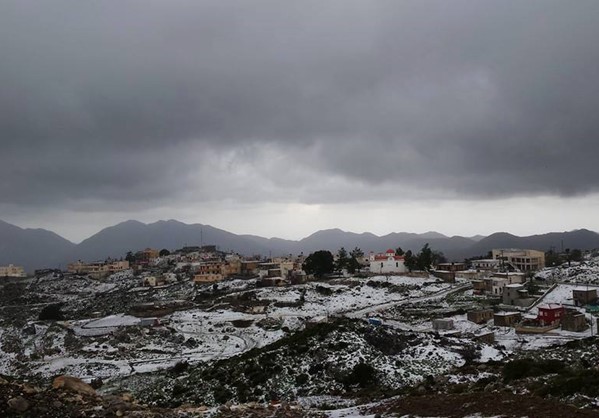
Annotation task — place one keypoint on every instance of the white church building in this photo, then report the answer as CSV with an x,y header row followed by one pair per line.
x,y
387,262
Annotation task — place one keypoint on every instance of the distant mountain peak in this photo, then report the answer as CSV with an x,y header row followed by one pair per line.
x,y
433,235
37,248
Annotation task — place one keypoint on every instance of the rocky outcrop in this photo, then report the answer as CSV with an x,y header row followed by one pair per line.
x,y
69,397
73,384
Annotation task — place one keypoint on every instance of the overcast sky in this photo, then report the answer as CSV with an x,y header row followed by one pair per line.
x,y
280,118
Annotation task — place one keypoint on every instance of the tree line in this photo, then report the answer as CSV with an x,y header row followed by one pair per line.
x,y
322,262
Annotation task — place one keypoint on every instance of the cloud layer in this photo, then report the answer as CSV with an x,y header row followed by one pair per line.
x,y
145,103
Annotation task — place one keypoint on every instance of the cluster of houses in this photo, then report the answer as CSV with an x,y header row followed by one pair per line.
x,y
206,264
12,271
504,277
98,270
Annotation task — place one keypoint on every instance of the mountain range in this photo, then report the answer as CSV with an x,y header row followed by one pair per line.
x,y
39,248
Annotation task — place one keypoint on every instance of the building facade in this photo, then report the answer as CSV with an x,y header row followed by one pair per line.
x,y
99,269
12,271
523,260
387,262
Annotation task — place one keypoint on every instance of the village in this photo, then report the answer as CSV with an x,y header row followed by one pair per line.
x,y
122,323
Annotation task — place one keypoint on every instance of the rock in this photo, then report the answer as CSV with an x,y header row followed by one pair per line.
x,y
19,404
3,381
30,390
127,397
73,384
57,404
97,383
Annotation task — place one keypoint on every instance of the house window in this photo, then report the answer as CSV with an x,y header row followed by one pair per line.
x,y
396,264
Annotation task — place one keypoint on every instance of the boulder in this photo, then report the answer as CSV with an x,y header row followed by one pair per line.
x,y
73,384
18,404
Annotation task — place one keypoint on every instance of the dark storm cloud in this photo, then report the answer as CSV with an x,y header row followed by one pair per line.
x,y
123,101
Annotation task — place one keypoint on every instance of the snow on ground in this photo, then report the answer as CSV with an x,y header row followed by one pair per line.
x,y
403,280
490,353
220,337
583,272
6,359
328,299
469,378
103,326
561,294
119,320
235,285
352,412
508,339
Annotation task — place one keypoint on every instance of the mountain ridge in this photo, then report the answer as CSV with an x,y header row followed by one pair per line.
x,y
40,248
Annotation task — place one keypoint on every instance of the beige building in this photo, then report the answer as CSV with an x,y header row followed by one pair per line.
x,y
98,270
209,271
12,271
523,260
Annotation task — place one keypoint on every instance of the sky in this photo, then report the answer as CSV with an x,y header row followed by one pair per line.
x,y
282,118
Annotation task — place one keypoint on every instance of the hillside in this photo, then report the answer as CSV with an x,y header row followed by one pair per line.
x,y
32,248
580,238
38,248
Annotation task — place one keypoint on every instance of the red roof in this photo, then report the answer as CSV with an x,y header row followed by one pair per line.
x,y
550,307
390,251
386,256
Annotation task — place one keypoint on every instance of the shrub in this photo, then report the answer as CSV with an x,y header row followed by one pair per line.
x,y
180,367
363,374
222,394
302,379
51,313
518,369
585,382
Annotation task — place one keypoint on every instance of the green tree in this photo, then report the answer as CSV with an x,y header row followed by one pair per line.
x,y
356,253
425,258
576,255
319,263
130,257
399,251
353,264
439,257
553,259
410,260
342,259
164,252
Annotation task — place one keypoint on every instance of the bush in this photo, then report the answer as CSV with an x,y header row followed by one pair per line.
x,y
585,382
222,394
180,367
302,379
51,313
519,369
363,374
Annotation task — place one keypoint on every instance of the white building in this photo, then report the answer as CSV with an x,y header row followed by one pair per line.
x,y
486,264
387,262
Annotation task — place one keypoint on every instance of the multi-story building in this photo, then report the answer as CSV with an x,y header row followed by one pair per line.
x,y
209,271
12,271
523,260
98,269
